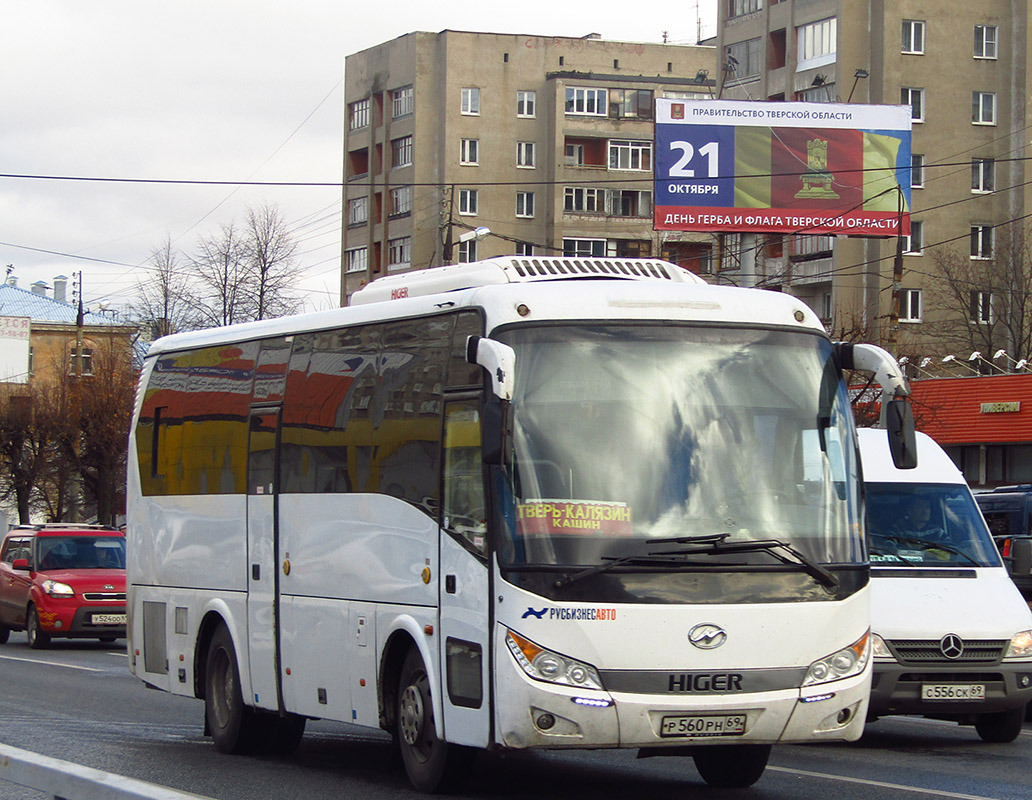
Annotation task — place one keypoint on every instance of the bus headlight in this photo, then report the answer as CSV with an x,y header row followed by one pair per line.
x,y
544,665
1020,645
56,589
845,663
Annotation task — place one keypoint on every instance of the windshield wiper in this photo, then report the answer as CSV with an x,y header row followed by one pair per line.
x,y
925,544
718,544
877,551
618,561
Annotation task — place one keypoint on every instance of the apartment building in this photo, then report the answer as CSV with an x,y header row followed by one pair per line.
x,y
963,69
547,142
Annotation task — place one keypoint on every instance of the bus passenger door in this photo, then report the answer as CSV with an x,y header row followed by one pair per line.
x,y
262,556
464,589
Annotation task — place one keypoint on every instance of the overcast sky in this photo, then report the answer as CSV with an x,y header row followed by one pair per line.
x,y
211,90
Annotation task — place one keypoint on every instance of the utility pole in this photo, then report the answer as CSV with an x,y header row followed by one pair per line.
x,y
75,482
897,282
448,243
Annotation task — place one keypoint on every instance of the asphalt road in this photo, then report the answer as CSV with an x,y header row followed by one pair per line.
x,y
78,702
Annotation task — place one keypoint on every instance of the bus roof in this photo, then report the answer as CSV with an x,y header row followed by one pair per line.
x,y
526,290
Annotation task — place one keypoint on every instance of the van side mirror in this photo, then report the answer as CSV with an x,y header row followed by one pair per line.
x,y
899,425
1021,557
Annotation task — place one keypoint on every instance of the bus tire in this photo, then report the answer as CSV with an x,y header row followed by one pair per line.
x,y
431,765
732,765
38,640
229,721
1001,726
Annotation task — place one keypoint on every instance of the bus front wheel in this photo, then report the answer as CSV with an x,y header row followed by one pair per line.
x,y
227,717
732,765
431,764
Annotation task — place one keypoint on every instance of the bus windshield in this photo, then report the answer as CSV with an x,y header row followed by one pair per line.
x,y
624,435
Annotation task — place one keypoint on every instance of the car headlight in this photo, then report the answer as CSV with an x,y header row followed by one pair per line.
x,y
1020,645
879,649
845,663
544,665
56,589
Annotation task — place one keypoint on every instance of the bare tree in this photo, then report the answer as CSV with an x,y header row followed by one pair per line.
x,y
985,304
29,431
221,270
270,251
163,300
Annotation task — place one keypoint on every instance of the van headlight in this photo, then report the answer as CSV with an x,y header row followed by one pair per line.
x,y
1020,645
845,663
879,649
544,665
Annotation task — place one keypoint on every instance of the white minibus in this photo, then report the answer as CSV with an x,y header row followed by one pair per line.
x,y
518,503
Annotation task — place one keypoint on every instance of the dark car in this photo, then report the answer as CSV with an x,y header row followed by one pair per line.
x,y
62,581
1008,513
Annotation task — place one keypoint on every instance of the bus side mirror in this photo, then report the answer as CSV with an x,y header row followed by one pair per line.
x,y
498,359
899,424
1021,557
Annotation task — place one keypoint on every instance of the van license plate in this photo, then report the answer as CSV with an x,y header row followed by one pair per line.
x,y
724,725
108,619
953,691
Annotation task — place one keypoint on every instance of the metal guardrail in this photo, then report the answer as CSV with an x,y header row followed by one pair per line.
x,y
64,780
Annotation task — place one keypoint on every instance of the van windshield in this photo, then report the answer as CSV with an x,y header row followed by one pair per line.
x,y
927,525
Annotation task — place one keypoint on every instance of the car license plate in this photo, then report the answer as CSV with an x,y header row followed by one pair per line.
x,y
953,691
108,619
723,725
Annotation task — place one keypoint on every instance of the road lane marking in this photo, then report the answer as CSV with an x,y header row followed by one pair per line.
x,y
881,784
51,663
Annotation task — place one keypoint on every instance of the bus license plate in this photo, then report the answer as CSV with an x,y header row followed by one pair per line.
x,y
725,725
108,619
953,691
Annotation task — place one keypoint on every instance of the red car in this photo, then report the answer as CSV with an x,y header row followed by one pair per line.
x,y
62,580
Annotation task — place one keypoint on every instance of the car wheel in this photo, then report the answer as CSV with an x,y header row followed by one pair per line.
x,y
230,722
5,634
1001,726
431,765
38,640
732,765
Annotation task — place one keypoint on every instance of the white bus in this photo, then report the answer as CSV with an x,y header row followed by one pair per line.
x,y
520,503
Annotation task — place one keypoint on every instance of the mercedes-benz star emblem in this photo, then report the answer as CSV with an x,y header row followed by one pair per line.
x,y
706,636
952,646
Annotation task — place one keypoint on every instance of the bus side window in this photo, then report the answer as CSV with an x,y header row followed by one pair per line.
x,y
463,512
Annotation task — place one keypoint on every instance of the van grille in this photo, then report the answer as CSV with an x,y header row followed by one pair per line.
x,y
976,651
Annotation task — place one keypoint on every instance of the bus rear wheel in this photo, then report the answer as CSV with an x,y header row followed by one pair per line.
x,y
431,764
732,765
229,720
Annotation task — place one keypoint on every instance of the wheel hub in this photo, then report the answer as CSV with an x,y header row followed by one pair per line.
x,y
411,722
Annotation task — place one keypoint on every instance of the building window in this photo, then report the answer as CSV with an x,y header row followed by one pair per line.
x,y
468,202
403,102
583,199
358,210
401,200
469,152
743,59
401,152
917,170
524,249
983,108
356,259
982,307
630,203
985,41
525,155
817,43
983,172
817,94
981,241
526,102
913,36
738,8
470,101
399,253
909,305
584,248
591,102
914,243
468,251
915,98
630,103
87,362
574,155
632,155
359,116
524,204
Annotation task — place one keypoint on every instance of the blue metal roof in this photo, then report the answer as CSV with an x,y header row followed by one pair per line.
x,y
15,302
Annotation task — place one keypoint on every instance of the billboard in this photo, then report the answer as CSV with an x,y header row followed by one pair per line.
x,y
827,168
14,349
